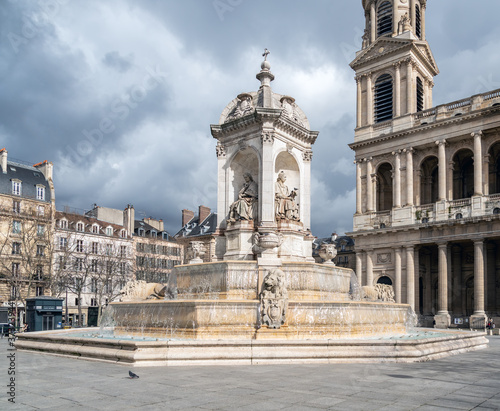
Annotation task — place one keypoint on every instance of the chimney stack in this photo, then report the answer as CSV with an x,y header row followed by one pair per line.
x,y
3,160
46,169
187,216
203,212
129,219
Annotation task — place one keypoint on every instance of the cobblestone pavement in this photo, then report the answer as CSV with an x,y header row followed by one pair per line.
x,y
462,382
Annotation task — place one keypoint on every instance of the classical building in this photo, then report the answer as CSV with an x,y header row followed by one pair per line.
x,y
93,260
428,178
156,251
27,205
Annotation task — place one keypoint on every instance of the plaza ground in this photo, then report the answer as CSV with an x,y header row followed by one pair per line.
x,y
461,382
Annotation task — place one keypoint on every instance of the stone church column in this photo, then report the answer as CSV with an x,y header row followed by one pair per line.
x,y
369,267
409,176
359,187
373,22
369,186
458,300
266,199
423,7
359,267
358,102
397,179
306,195
221,186
410,276
418,308
478,164
442,169
478,280
427,284
397,274
397,90
443,317
369,99
409,87
490,278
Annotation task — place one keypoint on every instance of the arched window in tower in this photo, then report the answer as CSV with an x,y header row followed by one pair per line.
x,y
384,18
429,181
418,22
383,98
420,94
463,174
384,187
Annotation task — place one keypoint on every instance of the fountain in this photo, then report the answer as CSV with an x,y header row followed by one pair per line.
x,y
263,299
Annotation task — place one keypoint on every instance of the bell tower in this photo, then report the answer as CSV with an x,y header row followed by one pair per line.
x,y
395,67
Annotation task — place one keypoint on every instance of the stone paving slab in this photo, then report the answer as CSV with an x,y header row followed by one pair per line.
x,y
462,382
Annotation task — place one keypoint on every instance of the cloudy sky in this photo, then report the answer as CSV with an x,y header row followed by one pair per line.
x,y
119,94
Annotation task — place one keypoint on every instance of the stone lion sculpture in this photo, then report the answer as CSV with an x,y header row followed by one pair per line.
x,y
141,290
378,292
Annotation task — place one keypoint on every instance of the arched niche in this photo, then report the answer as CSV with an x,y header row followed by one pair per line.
x,y
245,161
287,163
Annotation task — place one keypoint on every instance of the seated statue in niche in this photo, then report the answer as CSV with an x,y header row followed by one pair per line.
x,y
286,207
244,207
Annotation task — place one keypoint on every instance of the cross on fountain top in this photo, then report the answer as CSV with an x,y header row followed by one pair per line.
x,y
266,53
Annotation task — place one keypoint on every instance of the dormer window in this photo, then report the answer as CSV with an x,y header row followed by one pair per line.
x,y
153,234
384,18
95,229
80,227
63,224
16,187
40,192
109,231
123,233
140,231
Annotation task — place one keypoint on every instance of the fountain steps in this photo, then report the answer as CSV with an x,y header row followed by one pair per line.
x,y
251,351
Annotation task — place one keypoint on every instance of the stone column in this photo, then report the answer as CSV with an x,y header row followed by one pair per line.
x,y
429,94
442,169
478,164
409,87
428,285
423,7
369,267
410,276
359,187
458,301
442,318
479,279
418,308
305,196
369,99
409,176
397,275
394,21
418,188
359,267
373,22
413,17
397,179
222,201
490,278
369,186
358,102
397,90
266,184
486,175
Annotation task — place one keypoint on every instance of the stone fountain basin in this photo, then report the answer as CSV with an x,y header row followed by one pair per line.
x,y
402,348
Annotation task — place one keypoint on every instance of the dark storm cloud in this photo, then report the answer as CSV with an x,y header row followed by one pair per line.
x,y
77,89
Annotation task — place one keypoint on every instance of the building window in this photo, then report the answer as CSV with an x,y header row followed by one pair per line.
x,y
153,234
40,210
39,272
40,230
79,246
93,302
16,248
40,250
16,227
140,247
123,234
13,292
123,251
15,270
93,266
40,193
123,268
39,291
62,262
109,249
93,286
420,94
95,229
77,301
383,98
109,231
384,18
16,207
95,248
63,243
80,227
78,265
418,22
63,224
141,232
16,187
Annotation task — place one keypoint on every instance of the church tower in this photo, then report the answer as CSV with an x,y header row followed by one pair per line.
x,y
395,68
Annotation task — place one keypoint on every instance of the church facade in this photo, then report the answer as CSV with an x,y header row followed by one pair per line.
x,y
427,215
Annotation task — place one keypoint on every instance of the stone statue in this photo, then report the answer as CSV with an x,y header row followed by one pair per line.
x,y
274,299
286,207
246,204
378,292
404,24
141,290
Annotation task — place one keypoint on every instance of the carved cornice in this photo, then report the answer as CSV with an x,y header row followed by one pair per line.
x,y
267,138
220,150
307,155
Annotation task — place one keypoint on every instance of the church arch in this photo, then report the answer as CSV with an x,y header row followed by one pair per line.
x,y
287,163
384,187
384,280
463,174
429,180
244,161
494,168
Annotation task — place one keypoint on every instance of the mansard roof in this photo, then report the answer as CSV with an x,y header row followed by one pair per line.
x,y
30,178
195,228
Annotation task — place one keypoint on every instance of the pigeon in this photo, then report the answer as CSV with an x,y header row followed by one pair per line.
x,y
132,375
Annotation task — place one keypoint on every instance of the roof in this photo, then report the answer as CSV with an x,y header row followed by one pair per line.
x,y
73,219
195,228
149,228
30,178
348,241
